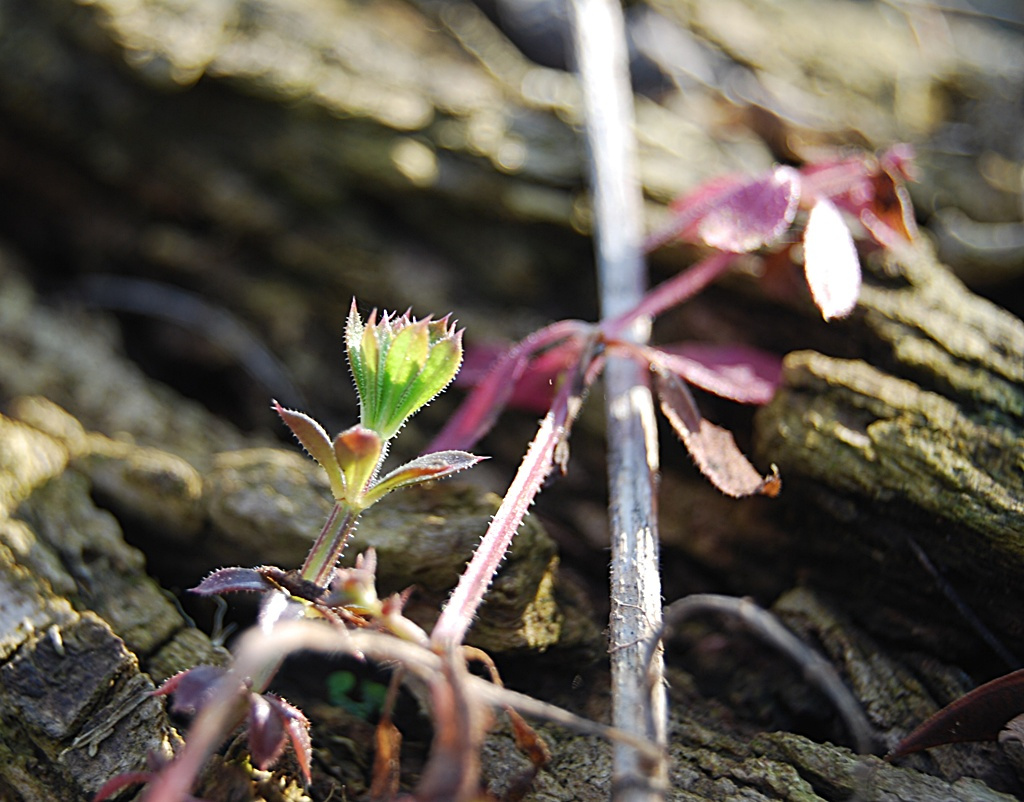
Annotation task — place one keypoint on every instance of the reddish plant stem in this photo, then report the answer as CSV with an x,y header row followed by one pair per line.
x,y
672,292
455,619
544,453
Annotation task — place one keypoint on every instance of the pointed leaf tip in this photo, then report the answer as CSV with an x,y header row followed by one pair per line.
x,y
980,715
315,440
437,465
296,725
192,689
713,449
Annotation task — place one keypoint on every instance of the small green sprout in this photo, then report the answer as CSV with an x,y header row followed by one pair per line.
x,y
343,687
399,365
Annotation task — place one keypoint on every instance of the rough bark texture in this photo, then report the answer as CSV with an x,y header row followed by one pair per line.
x,y
274,159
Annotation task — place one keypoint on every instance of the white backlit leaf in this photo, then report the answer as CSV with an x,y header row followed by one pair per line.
x,y
830,261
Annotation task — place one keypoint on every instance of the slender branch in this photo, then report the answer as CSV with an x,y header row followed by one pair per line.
x,y
638,701
673,291
766,625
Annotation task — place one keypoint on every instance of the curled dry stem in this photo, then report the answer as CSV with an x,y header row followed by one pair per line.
x,y
769,628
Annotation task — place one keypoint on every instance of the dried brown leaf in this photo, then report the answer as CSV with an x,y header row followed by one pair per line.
x,y
386,767
712,448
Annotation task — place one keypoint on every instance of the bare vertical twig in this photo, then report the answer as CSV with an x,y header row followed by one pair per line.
x,y
638,704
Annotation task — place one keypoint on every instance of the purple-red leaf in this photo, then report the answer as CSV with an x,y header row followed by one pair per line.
x,y
296,725
735,213
870,189
317,443
233,580
536,386
736,372
266,732
192,689
976,716
753,214
713,448
830,261
481,408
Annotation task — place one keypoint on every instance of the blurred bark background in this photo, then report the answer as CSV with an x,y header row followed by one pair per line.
x,y
191,192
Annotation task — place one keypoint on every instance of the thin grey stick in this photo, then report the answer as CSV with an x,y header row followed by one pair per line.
x,y
638,694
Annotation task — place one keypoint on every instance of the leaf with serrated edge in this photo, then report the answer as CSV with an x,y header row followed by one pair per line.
x,y
437,373
314,439
830,261
406,355
355,333
713,448
296,725
233,580
422,469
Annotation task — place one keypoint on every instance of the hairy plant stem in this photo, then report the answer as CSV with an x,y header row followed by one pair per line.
x,y
638,696
455,619
329,545
548,448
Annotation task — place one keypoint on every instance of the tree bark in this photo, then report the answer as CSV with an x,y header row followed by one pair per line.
x,y
275,159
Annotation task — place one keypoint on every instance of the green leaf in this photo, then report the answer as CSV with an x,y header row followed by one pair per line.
x,y
422,469
399,364
437,372
406,354
355,333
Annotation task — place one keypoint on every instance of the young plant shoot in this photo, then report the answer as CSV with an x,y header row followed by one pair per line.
x,y
399,365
